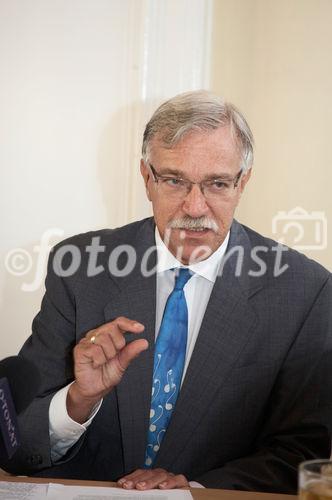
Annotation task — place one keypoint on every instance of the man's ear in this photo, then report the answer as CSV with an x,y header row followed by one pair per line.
x,y
244,179
146,174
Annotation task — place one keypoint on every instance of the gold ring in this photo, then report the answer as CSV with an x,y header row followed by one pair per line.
x,y
93,339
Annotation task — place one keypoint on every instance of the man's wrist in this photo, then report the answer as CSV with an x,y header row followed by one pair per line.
x,y
80,407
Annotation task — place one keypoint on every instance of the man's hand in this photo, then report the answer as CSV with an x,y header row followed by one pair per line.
x,y
100,360
146,479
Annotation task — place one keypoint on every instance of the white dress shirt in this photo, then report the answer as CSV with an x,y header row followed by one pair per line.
x,y
65,432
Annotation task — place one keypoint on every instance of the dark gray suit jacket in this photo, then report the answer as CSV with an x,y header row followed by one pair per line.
x,y
257,395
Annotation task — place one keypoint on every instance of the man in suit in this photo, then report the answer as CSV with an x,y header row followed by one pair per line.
x,y
255,389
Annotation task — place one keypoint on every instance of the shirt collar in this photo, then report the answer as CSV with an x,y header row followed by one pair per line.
x,y
207,268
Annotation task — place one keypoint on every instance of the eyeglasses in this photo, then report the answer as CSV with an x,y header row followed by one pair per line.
x,y
212,189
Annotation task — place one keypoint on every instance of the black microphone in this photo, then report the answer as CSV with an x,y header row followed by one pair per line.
x,y
19,384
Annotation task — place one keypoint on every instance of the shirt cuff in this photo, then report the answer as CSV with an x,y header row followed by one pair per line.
x,y
64,431
194,484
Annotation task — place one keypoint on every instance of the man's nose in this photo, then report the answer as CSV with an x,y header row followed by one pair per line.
x,y
194,203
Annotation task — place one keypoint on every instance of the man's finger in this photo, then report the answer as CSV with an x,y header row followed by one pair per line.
x,y
131,351
121,323
148,483
129,481
133,475
145,479
111,334
91,354
178,481
110,345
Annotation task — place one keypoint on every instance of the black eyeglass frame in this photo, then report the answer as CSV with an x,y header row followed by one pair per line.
x,y
157,177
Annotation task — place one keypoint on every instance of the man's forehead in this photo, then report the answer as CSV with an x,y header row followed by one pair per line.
x,y
218,144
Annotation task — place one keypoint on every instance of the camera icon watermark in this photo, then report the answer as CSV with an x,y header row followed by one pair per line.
x,y
300,229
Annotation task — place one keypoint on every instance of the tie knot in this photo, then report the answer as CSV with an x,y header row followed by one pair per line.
x,y
182,278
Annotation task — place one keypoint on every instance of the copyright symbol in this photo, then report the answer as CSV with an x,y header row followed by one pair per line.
x,y
18,262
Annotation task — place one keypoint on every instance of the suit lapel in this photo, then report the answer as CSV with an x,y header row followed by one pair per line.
x,y
227,326
135,297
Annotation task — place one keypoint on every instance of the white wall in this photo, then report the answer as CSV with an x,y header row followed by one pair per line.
x,y
78,80
273,59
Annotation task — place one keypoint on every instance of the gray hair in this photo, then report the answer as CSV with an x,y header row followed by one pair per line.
x,y
198,110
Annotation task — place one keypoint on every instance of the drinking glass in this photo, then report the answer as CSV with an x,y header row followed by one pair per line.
x,y
315,480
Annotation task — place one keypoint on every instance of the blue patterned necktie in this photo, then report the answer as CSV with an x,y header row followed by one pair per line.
x,y
169,357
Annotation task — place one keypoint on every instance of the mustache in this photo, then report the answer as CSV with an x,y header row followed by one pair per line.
x,y
190,223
